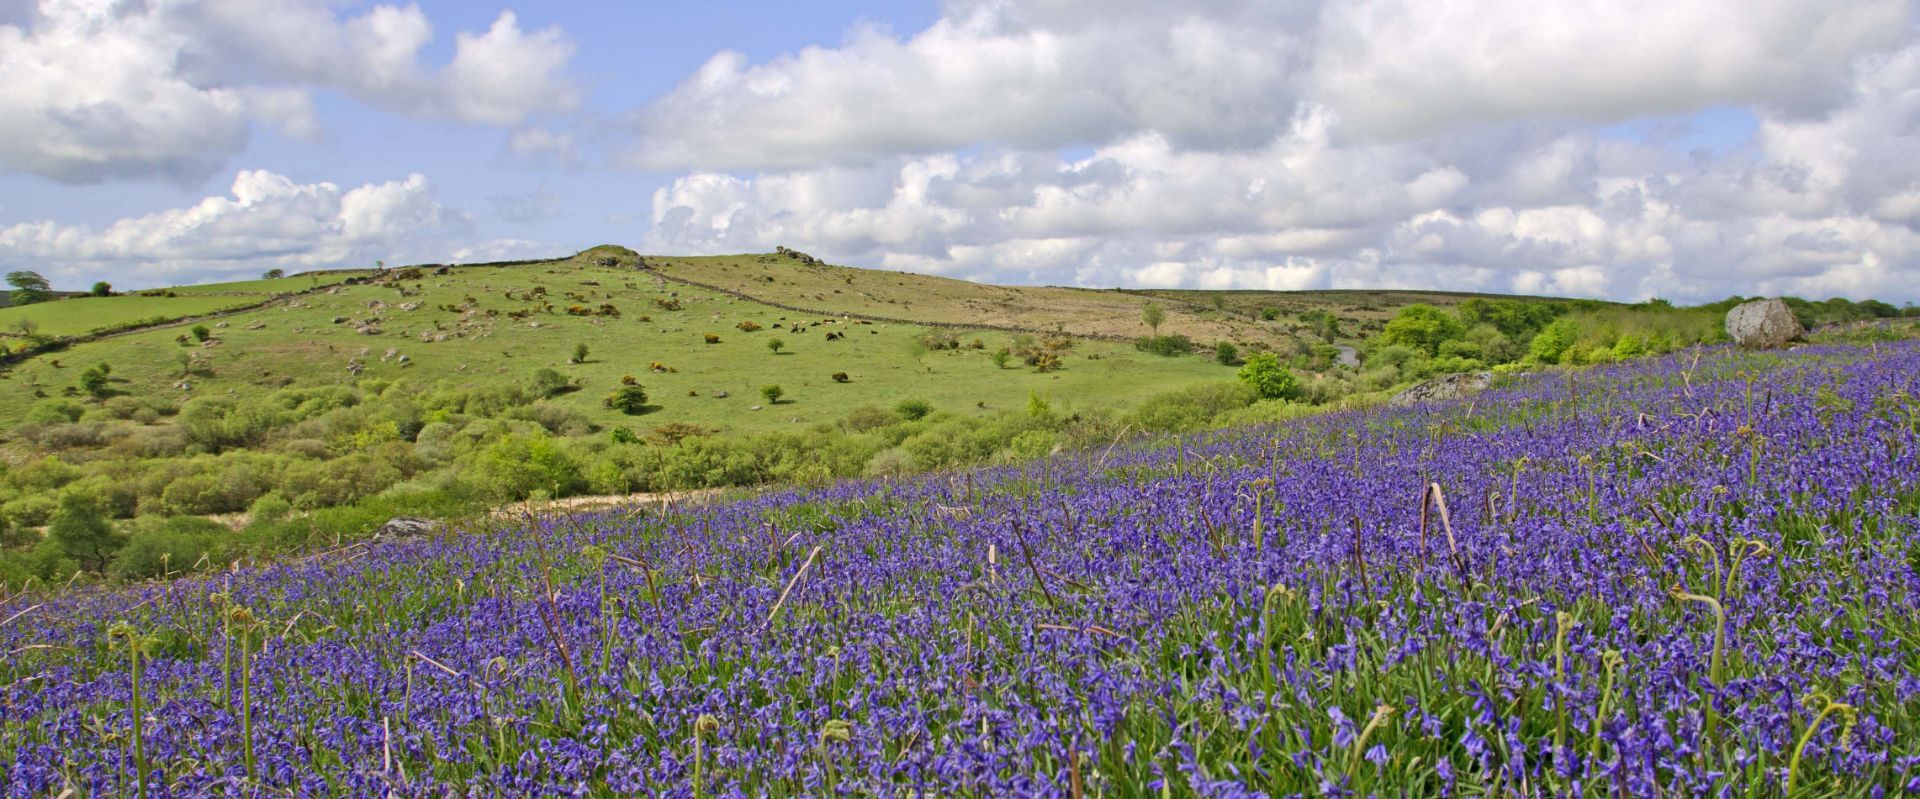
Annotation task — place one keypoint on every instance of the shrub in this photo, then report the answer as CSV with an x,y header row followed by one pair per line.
x,y
1001,356
1226,354
841,377
55,411
579,353
868,418
1269,313
157,549
1191,407
1264,374
1165,345
625,435
773,393
271,507
776,345
519,464
630,399
747,327
201,333
712,339
550,383
913,410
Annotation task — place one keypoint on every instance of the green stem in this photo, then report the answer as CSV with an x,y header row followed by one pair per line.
x,y
139,739
1715,666
1380,716
1793,766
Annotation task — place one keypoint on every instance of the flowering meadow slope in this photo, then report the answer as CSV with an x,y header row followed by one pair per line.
x,y
1684,578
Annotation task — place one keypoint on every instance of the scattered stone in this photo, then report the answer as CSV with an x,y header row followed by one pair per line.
x,y
1763,324
409,306
719,395
257,326
753,407
339,320
1444,387
220,324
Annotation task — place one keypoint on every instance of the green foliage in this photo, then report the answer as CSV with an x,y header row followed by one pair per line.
x,y
81,532
519,464
1154,316
201,333
273,274
55,411
776,345
102,289
1516,319
1225,354
625,435
1268,378
630,399
579,353
551,383
1165,345
772,393
29,287
156,548
95,381
1001,356
1193,407
913,410
1422,327
1552,343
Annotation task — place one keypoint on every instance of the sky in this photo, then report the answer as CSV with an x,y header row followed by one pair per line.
x,y
1620,149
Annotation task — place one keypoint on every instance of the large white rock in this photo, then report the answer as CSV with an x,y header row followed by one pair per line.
x,y
1763,324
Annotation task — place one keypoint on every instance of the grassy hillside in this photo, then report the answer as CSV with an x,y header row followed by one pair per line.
x,y
475,327
344,399
1649,583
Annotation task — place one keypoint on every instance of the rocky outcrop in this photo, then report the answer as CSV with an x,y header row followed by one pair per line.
x,y
402,528
1763,324
1444,387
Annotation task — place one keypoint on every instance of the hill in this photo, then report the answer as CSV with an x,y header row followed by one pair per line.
x,y
1646,579
305,411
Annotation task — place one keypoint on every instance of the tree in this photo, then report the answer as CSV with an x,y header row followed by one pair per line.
x,y
102,289
29,287
1264,374
773,393
579,353
80,531
274,274
775,345
1226,353
1552,343
1422,327
630,400
1000,357
1153,316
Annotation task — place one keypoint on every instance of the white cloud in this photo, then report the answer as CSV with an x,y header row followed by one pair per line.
x,y
267,221
1372,143
90,91
1231,73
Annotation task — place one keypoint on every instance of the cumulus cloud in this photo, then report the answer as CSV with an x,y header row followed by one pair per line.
x,y
90,91
1357,143
267,221
1229,73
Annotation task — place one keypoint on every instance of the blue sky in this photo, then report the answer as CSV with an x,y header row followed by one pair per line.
x,y
1716,148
